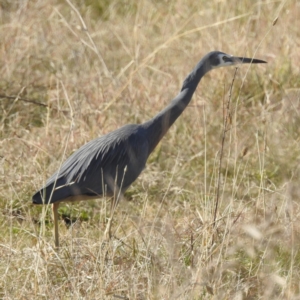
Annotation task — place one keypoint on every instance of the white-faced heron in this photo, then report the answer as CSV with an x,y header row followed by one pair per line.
x,y
109,164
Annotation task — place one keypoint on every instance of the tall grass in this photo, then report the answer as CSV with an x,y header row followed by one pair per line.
x,y
71,71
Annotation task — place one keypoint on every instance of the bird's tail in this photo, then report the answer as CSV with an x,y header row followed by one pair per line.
x,y
58,191
54,192
45,195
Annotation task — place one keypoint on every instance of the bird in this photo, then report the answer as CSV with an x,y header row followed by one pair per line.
x,y
109,164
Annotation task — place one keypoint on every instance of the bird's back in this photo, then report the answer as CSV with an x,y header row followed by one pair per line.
x,y
103,166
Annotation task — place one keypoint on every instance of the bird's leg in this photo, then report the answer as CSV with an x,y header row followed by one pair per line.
x,y
55,217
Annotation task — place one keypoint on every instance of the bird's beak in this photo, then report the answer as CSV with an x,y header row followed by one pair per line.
x,y
246,60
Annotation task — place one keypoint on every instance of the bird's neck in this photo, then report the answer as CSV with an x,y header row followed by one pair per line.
x,y
158,126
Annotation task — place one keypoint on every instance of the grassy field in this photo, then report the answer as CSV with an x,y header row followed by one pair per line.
x,y
72,71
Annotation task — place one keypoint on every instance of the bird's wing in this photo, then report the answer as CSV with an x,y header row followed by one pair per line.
x,y
120,155
83,170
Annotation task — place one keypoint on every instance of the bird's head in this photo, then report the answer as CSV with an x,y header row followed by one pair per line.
x,y
213,60
219,59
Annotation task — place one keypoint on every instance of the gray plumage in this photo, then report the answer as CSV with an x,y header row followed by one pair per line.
x,y
100,161
111,163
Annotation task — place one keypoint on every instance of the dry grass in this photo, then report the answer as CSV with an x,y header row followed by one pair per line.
x,y
124,67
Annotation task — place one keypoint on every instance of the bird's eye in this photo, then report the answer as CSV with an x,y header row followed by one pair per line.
x,y
225,58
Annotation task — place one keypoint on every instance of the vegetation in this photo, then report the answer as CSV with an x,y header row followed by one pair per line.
x,y
74,70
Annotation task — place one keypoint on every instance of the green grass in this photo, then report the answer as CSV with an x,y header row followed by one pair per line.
x,y
72,72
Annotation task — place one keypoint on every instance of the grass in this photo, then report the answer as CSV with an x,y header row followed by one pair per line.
x,y
71,71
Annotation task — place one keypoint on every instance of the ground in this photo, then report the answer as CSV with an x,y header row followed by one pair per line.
x,y
215,214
